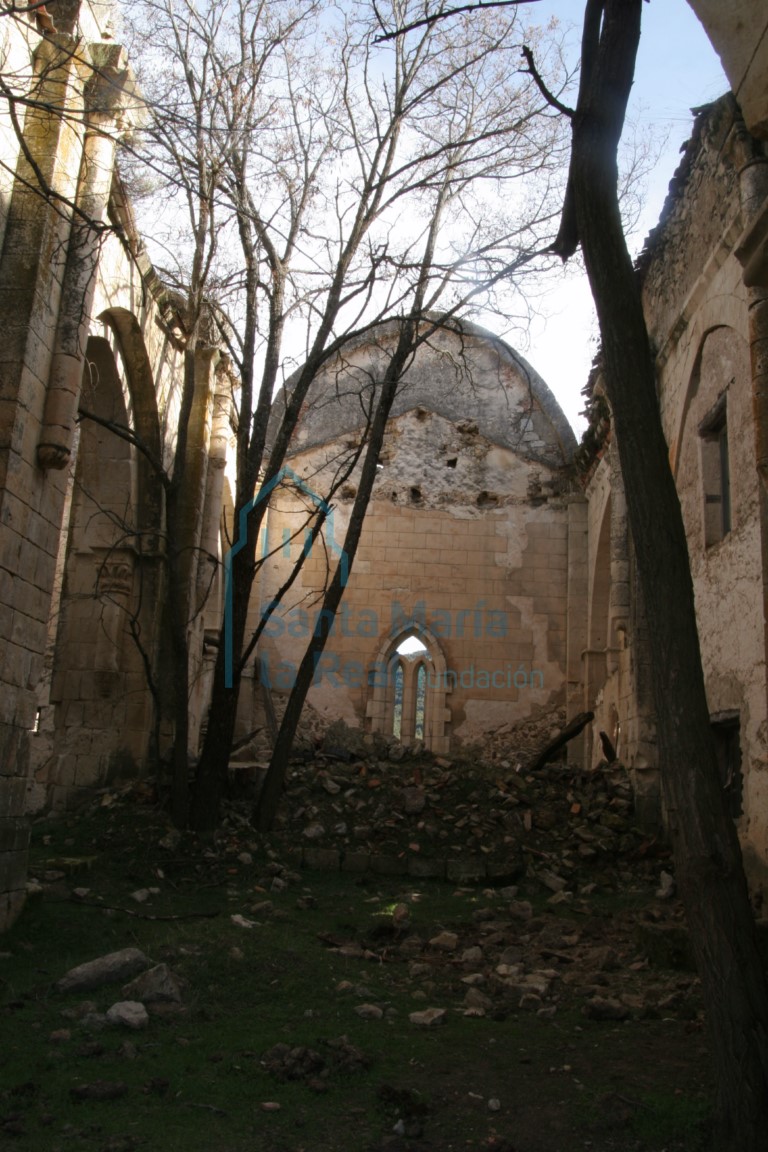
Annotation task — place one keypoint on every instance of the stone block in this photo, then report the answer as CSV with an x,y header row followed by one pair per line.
x,y
79,742
8,704
389,865
356,862
11,545
27,632
555,605
14,835
6,620
59,798
14,750
12,795
13,870
86,657
66,770
322,859
73,713
113,968
423,868
88,772
470,870
11,904
505,871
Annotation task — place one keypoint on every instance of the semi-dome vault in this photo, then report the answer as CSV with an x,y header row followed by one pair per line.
x,y
461,372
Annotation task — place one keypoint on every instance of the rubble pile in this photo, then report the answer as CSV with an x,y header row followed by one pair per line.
x,y
339,1057
408,811
542,964
522,742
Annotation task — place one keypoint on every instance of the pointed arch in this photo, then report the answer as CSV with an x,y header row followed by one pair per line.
x,y
415,709
105,619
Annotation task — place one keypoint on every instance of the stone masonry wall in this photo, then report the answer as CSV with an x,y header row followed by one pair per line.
x,y
31,271
705,382
70,308
465,542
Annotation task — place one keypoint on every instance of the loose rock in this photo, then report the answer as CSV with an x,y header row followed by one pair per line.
x,y
109,969
605,1009
129,1013
429,1018
447,941
369,1011
157,985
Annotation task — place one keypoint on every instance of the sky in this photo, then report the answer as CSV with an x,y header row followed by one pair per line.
x,y
677,69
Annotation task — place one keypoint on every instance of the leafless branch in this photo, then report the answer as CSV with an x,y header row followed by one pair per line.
x,y
428,21
549,96
131,437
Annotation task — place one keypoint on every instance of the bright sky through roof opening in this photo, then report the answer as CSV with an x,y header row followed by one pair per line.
x,y
677,69
411,646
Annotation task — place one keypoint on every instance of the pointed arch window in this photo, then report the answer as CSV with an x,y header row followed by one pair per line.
x,y
409,683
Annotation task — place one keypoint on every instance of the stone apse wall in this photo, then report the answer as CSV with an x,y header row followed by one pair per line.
x,y
467,545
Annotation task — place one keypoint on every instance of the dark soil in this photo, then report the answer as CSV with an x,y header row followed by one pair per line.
x,y
568,1015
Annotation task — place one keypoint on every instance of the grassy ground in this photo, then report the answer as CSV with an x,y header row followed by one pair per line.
x,y
510,1081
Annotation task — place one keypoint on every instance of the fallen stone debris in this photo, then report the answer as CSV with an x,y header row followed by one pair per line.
x,y
535,845
498,965
392,811
338,1058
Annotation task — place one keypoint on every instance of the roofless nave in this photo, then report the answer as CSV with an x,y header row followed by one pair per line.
x,y
489,540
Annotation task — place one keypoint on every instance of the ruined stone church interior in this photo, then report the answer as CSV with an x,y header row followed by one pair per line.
x,y
494,583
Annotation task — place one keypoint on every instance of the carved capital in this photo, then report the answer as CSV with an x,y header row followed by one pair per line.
x,y
115,578
55,456
113,102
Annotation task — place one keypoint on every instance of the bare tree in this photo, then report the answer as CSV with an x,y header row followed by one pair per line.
x,y
332,183
708,863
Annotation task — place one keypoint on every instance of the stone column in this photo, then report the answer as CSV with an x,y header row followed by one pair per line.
x,y
115,585
221,435
33,281
106,95
36,233
191,512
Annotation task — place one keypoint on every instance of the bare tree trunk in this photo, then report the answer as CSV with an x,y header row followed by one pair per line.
x,y
707,854
269,798
212,768
177,624
183,514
